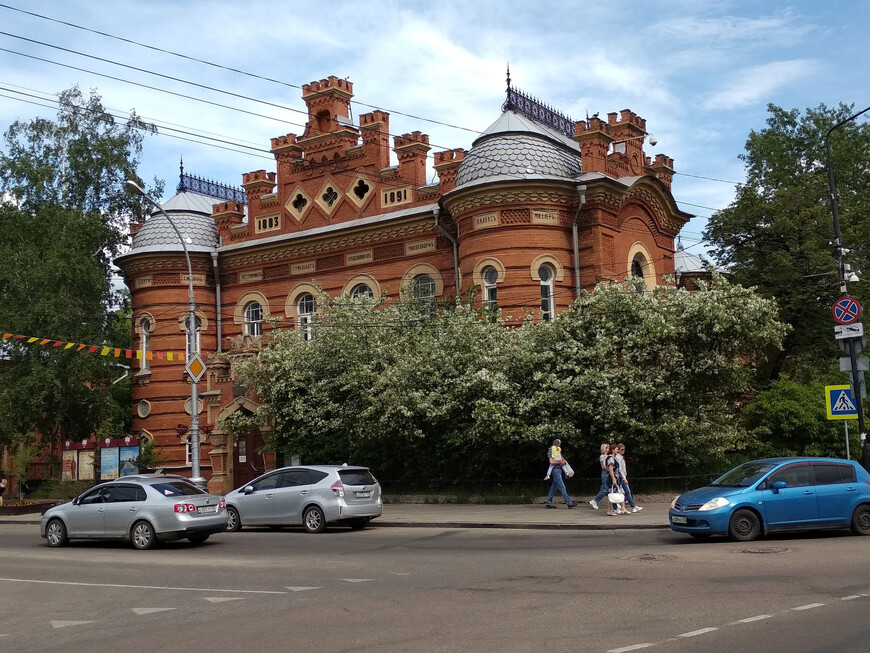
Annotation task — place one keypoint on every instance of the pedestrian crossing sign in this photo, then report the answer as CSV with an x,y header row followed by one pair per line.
x,y
840,402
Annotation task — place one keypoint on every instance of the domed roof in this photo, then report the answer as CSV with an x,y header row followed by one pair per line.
x,y
515,147
191,213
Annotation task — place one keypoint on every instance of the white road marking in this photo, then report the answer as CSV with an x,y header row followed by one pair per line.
x,y
64,624
633,647
749,620
141,611
852,597
221,599
303,589
357,580
137,587
695,633
808,606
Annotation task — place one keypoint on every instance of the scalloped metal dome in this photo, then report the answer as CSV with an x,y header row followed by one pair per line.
x,y
515,147
191,213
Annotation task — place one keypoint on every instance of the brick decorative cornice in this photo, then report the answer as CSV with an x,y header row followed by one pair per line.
x,y
296,249
492,196
160,262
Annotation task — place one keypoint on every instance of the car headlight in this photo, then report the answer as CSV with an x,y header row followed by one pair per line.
x,y
674,502
712,504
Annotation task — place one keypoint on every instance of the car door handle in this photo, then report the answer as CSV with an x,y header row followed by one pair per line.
x,y
132,508
268,496
851,489
808,491
101,510
304,493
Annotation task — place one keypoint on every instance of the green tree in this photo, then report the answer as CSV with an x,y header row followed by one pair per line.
x,y
777,234
450,394
62,213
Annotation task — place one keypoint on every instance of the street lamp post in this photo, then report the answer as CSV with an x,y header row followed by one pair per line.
x,y
134,189
851,343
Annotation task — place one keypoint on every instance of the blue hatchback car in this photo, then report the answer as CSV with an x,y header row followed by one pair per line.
x,y
777,494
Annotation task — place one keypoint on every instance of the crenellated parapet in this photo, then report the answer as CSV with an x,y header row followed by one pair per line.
x,y
447,164
411,150
286,146
258,183
375,130
227,215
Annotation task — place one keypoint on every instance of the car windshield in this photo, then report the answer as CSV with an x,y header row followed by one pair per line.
x,y
177,489
743,476
356,477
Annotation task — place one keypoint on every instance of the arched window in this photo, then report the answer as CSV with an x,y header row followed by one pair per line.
x,y
306,307
253,319
637,269
490,290
547,276
193,337
423,291
362,291
146,326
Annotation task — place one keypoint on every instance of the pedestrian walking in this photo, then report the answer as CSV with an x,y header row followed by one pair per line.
x,y
605,449
555,453
3,483
623,477
613,479
557,466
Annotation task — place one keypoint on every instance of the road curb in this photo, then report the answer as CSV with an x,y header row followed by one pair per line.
x,y
522,526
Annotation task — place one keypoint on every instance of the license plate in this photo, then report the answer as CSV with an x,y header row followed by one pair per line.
x,y
362,495
679,520
206,509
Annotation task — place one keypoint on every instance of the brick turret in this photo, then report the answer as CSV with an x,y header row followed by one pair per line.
x,y
375,128
226,215
411,150
257,184
447,166
328,131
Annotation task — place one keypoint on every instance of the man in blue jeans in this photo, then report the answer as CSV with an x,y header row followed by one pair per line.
x,y
558,483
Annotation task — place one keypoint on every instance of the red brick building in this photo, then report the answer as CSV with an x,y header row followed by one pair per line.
x,y
537,209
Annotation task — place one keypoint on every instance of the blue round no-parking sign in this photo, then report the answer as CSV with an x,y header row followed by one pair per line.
x,y
846,310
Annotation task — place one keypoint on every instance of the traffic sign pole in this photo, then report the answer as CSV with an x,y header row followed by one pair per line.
x,y
859,403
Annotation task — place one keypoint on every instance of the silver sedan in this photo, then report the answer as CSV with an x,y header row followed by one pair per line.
x,y
141,509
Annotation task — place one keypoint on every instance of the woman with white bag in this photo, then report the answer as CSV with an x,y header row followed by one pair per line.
x,y
615,496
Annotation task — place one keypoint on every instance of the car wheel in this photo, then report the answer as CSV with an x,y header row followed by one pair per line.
x,y
861,520
55,533
234,522
143,536
358,524
744,526
314,520
198,538
700,536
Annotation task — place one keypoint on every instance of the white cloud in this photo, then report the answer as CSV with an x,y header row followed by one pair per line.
x,y
758,83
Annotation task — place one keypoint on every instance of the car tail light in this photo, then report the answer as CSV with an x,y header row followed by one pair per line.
x,y
222,505
185,507
337,489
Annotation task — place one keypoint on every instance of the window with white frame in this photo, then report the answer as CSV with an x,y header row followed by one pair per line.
x,y
306,307
423,291
547,275
145,327
490,289
253,319
362,291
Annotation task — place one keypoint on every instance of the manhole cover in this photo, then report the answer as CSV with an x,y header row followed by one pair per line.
x,y
766,549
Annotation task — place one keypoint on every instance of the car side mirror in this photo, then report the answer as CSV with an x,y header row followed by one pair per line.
x,y
779,485
248,489
75,501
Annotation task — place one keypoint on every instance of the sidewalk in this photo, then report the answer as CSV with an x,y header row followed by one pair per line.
x,y
525,516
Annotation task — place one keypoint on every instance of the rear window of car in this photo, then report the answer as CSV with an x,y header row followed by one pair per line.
x,y
177,489
356,477
832,473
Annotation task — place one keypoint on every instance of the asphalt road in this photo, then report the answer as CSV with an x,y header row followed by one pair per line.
x,y
405,590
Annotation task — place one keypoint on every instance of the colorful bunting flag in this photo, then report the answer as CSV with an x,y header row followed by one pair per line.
x,y
104,350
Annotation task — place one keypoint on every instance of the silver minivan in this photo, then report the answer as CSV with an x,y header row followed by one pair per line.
x,y
310,495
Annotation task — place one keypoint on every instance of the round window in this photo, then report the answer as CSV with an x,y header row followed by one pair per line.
x,y
144,408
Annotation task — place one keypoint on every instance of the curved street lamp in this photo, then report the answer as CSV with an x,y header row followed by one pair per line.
x,y
845,277
134,189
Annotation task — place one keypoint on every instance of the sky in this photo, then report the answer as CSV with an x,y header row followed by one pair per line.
x,y
701,73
